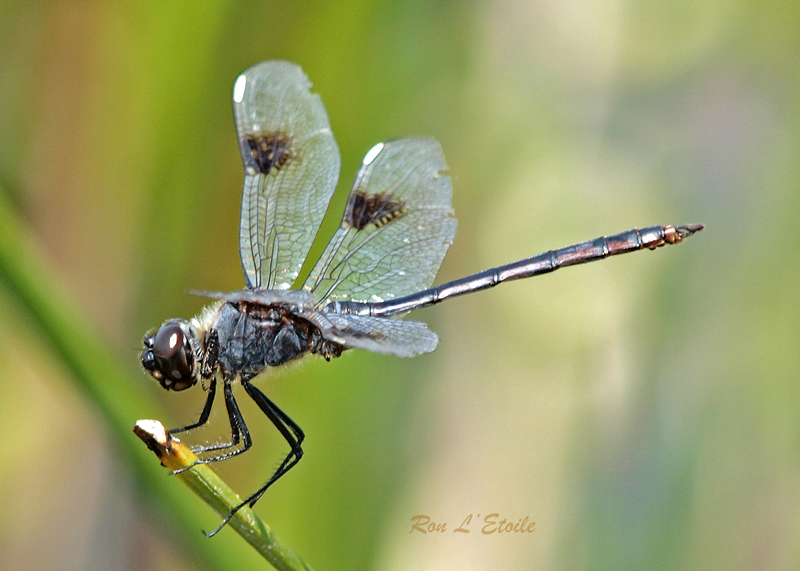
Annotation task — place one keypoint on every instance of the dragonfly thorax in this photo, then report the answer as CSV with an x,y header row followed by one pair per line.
x,y
253,337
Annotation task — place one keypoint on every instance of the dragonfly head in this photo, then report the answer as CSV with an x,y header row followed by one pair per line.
x,y
169,355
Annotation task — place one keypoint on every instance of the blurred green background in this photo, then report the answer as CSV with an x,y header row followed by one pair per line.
x,y
642,411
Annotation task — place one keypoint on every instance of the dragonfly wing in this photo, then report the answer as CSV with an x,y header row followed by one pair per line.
x,y
396,229
400,337
263,297
291,165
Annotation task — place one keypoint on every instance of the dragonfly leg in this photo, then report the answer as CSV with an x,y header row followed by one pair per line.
x,y
239,433
289,430
212,389
211,355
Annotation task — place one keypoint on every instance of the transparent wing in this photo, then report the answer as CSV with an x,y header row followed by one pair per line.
x,y
291,165
396,229
390,336
301,299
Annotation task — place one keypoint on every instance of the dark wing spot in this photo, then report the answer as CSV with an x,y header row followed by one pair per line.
x,y
376,209
270,150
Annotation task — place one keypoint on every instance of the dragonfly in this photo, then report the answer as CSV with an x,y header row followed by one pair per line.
x,y
397,226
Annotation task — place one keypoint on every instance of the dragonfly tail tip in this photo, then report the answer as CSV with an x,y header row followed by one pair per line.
x,y
687,230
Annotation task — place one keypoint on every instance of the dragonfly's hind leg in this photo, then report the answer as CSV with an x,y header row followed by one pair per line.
x,y
289,430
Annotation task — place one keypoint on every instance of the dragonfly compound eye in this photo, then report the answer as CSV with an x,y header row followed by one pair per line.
x,y
170,359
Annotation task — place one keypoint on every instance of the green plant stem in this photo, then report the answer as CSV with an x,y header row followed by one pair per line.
x,y
205,483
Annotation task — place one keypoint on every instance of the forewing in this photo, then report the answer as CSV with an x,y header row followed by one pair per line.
x,y
291,165
396,229
390,336
301,299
